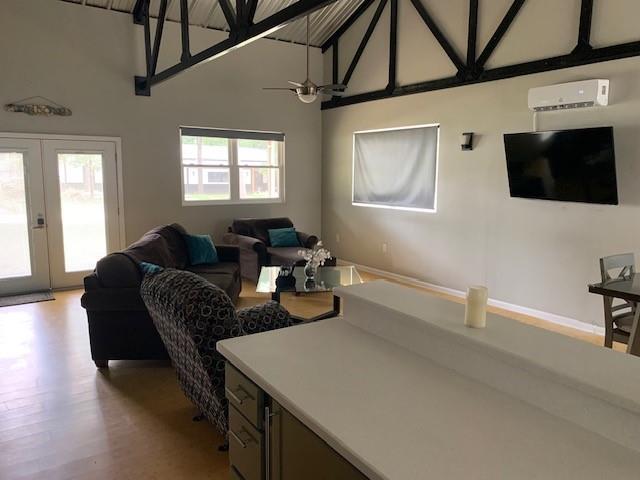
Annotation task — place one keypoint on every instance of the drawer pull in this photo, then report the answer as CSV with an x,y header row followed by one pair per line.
x,y
236,437
235,397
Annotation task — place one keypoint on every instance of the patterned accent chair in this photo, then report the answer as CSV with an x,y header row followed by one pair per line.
x,y
191,315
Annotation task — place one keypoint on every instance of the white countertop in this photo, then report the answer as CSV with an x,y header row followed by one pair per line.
x,y
396,415
608,374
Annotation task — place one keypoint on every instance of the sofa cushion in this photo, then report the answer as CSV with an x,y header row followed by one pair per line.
x,y
201,249
227,268
283,237
259,227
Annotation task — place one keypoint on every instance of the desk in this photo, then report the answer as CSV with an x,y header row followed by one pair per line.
x,y
627,288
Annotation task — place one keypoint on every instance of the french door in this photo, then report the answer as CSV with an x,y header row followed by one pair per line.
x,y
58,210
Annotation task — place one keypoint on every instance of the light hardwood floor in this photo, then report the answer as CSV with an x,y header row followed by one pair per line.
x,y
61,418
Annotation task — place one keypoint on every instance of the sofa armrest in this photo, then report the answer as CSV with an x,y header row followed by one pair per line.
x,y
307,240
113,300
262,318
246,243
228,253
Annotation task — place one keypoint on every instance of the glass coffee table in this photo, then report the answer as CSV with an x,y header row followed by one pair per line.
x,y
326,279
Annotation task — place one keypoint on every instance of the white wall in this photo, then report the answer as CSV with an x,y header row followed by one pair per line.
x,y
535,254
86,58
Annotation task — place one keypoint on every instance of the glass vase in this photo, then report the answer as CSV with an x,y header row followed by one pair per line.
x,y
310,271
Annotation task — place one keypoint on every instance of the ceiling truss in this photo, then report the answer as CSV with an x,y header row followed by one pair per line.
x,y
470,70
242,30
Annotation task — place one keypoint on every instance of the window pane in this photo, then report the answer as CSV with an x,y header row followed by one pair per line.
x,y
82,203
256,183
205,151
258,153
15,259
202,184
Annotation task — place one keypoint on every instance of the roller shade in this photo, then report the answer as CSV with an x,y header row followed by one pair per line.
x,y
396,168
238,134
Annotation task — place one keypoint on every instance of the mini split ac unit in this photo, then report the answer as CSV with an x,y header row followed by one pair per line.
x,y
587,93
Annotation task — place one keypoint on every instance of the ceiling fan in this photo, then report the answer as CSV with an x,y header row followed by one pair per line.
x,y
308,91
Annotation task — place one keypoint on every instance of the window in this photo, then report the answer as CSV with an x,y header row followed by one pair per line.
x,y
231,166
396,168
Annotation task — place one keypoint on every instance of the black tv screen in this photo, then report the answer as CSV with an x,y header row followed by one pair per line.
x,y
564,165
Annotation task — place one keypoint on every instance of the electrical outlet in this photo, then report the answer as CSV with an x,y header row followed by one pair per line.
x,y
384,247
337,238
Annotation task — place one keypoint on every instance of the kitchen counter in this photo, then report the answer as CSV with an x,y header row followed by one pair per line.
x,y
394,413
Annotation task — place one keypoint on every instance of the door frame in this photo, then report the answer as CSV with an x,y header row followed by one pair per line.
x,y
89,138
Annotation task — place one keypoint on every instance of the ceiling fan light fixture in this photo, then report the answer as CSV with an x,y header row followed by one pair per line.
x,y
307,97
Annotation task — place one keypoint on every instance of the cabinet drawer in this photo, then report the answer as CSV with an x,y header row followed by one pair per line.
x,y
245,447
244,395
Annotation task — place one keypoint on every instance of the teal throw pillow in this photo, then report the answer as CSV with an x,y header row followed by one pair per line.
x,y
148,268
201,249
283,237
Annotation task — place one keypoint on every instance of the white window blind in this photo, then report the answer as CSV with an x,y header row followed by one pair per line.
x,y
396,168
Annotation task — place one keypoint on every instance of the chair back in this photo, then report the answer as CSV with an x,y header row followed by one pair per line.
x,y
625,263
191,315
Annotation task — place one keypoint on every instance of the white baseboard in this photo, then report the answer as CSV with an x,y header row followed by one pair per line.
x,y
549,317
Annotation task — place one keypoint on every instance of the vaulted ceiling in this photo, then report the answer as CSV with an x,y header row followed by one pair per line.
x,y
208,14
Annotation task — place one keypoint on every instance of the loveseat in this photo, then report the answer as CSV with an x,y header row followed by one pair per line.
x,y
251,235
120,327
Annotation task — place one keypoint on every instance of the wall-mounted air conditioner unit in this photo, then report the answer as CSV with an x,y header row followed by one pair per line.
x,y
587,93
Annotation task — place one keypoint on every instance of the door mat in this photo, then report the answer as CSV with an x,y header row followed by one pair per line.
x,y
26,298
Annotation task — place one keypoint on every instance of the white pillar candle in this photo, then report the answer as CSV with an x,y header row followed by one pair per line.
x,y
475,314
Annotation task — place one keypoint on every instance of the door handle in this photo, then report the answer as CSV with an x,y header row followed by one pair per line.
x,y
236,437
235,397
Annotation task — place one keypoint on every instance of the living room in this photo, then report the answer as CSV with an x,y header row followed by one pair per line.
x,y
204,128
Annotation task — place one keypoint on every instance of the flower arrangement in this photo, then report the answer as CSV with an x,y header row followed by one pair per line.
x,y
315,257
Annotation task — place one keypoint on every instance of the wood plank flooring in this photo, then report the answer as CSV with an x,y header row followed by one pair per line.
x,y
61,418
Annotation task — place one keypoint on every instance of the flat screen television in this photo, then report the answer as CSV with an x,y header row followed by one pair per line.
x,y
563,165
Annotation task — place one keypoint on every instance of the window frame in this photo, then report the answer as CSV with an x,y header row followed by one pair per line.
x,y
394,207
234,170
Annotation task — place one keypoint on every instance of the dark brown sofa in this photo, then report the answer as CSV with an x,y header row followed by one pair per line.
x,y
120,327
251,235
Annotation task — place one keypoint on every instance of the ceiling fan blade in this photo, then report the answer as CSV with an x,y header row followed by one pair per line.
x,y
297,84
333,86
280,88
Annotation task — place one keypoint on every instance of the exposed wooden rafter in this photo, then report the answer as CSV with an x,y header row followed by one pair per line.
x,y
242,31
364,41
439,36
473,70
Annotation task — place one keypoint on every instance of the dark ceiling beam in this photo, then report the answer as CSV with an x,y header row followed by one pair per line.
x,y
252,5
147,36
162,15
252,32
614,52
393,45
364,41
335,62
499,33
184,30
472,35
439,36
138,12
346,25
228,12
584,32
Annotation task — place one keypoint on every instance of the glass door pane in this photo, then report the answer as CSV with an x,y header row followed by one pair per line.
x,y
81,189
15,255
82,210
